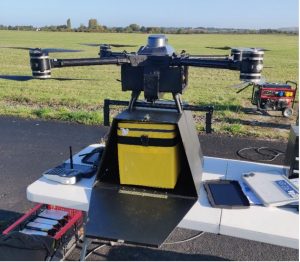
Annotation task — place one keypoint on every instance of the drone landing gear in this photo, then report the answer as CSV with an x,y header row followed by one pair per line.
x,y
176,96
159,105
178,102
134,97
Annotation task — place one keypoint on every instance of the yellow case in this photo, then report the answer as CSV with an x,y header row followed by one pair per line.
x,y
148,165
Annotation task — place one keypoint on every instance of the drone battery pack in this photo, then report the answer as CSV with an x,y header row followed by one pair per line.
x,y
148,154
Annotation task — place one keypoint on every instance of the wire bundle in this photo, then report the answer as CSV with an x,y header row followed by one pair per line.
x,y
263,153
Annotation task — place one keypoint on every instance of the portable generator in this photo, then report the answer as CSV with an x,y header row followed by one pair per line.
x,y
275,96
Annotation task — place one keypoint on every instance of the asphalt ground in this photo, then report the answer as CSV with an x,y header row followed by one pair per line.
x,y
28,147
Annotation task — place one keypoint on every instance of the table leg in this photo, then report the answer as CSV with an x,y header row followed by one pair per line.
x,y
86,241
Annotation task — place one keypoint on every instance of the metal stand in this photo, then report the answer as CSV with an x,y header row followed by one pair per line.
x,y
134,97
86,241
178,102
208,109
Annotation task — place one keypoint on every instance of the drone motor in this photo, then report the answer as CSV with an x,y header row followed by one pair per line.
x,y
40,64
236,54
252,65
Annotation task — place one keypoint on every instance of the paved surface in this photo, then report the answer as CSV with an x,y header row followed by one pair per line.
x,y
28,147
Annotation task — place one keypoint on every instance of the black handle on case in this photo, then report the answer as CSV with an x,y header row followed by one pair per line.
x,y
145,140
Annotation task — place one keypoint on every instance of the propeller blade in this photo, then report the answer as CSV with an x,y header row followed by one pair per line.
x,y
113,45
242,48
47,50
120,45
239,85
16,77
90,44
60,50
260,49
70,79
244,87
17,47
220,48
26,78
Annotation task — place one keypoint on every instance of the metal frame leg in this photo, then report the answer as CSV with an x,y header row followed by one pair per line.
x,y
86,241
134,97
178,101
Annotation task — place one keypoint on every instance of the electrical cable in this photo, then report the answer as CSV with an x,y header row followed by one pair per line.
x,y
185,240
277,152
274,153
94,250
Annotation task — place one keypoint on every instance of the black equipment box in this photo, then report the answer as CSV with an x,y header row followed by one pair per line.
x,y
139,215
292,153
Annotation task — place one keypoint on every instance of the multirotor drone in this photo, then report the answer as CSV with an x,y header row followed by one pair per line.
x,y
155,68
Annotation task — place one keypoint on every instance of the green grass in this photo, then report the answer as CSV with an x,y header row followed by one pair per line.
x,y
82,100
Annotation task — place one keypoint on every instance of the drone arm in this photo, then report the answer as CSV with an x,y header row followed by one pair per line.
x,y
250,64
41,64
209,62
87,62
209,56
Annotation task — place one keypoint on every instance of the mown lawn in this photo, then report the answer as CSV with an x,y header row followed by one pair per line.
x,y
82,100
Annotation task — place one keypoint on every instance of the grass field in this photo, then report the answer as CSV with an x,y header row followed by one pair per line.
x,y
82,100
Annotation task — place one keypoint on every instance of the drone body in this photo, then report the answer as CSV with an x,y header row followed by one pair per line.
x,y
155,68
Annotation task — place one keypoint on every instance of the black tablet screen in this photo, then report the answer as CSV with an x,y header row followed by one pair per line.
x,y
226,194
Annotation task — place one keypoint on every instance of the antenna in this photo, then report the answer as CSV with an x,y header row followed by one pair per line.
x,y
71,158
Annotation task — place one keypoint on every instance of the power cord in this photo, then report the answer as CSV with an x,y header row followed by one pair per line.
x,y
273,153
94,250
185,240
166,243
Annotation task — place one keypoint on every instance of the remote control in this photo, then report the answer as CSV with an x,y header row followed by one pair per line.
x,y
63,175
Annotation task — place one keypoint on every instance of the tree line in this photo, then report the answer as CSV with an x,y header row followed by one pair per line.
x,y
94,26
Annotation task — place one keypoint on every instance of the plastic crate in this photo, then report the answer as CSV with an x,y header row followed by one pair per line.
x,y
75,218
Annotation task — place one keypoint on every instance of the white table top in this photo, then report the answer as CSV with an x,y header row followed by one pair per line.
x,y
279,226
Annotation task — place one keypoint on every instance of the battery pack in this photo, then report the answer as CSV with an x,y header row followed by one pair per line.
x,y
53,214
148,154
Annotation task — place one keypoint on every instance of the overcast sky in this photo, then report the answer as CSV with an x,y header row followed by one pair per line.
x,y
252,14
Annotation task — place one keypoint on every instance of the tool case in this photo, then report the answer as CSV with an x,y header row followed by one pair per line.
x,y
148,154
115,201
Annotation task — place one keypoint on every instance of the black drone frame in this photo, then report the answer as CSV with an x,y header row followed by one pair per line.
x,y
155,73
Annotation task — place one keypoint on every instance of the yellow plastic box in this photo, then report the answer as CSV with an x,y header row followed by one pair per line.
x,y
148,154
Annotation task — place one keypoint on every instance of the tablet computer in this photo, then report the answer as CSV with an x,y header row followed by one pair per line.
x,y
226,194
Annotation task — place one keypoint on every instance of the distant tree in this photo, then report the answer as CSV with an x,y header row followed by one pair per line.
x,y
179,31
153,30
69,25
61,28
93,24
163,30
134,27
82,28
119,29
143,29
128,29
